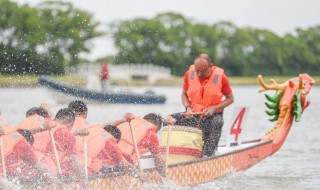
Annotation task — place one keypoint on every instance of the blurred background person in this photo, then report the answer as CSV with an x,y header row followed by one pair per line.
x,y
104,76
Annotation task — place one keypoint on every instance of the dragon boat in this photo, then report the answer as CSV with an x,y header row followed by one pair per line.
x,y
185,168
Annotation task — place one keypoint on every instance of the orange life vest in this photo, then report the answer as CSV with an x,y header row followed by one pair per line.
x,y
79,123
48,158
32,122
10,139
140,129
208,94
96,143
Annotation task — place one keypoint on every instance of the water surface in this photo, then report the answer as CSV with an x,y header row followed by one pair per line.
x,y
294,166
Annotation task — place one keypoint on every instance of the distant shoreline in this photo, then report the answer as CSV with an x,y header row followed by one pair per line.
x,y
28,81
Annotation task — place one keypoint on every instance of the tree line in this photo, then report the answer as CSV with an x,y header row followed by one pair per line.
x,y
45,39
50,37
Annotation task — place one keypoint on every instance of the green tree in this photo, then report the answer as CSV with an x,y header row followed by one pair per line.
x,y
265,53
298,57
173,41
311,38
164,40
68,30
20,32
44,39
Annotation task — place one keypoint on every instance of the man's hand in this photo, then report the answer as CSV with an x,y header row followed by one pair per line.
x,y
82,132
47,108
1,131
170,120
189,113
47,125
209,111
128,116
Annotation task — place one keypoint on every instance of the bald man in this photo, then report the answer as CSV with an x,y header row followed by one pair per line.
x,y
206,90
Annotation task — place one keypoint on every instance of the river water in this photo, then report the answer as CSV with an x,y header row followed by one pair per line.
x,y
294,166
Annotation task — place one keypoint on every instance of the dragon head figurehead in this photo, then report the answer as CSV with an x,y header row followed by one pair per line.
x,y
292,94
289,101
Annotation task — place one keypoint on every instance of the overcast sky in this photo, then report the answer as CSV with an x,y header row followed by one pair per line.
x,y
279,16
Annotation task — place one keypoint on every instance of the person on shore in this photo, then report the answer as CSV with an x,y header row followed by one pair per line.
x,y
206,91
104,76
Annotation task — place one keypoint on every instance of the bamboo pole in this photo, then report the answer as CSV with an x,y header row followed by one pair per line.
x,y
55,152
85,156
167,148
136,148
4,171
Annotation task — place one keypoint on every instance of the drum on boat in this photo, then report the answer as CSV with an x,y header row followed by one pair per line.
x,y
185,143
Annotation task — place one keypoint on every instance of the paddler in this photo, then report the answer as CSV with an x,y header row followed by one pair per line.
x,y
145,130
65,143
21,162
103,153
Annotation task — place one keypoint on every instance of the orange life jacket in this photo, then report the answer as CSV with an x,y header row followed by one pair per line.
x,y
32,122
208,94
48,158
10,139
96,143
140,129
79,123
41,142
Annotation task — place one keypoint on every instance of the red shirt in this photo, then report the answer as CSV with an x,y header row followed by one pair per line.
x,y
22,150
226,88
65,141
150,142
104,72
112,151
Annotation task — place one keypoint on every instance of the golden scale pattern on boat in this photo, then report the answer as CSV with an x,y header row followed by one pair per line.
x,y
189,174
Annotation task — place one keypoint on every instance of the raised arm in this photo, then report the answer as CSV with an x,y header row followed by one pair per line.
x,y
126,117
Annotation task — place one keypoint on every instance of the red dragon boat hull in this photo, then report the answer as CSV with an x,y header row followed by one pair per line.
x,y
227,159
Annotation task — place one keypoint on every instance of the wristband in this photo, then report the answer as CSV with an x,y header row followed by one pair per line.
x,y
187,108
76,132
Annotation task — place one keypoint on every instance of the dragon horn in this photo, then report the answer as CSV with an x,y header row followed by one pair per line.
x,y
273,86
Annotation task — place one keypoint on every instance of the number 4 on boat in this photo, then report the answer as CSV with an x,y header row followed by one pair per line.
x,y
239,117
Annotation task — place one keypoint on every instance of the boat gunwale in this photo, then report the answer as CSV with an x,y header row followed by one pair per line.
x,y
222,155
120,173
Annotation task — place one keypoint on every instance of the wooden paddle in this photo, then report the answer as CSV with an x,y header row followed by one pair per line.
x,y
55,152
4,171
167,148
85,151
136,148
